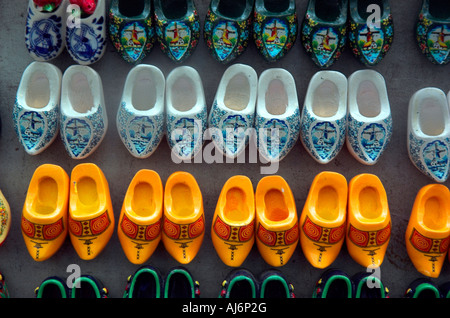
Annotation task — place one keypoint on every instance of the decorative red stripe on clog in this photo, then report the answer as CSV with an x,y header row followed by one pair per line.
x,y
321,234
42,231
234,233
90,227
184,231
140,232
429,245
369,238
281,238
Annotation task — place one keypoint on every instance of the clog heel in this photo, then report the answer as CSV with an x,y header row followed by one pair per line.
x,y
139,227
91,216
183,220
368,220
323,219
5,218
44,214
428,230
276,221
233,227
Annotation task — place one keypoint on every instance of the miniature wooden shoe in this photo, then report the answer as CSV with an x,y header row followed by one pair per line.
x,y
36,109
139,227
277,120
186,112
370,286
368,221
422,288
179,283
429,133
52,288
369,121
334,283
140,118
4,292
239,283
273,284
84,121
433,31
233,112
428,233
146,282
5,218
323,219
324,31
91,216
275,28
370,39
227,28
184,219
233,227
86,39
276,221
131,29
177,28
87,286
45,32
324,116
44,214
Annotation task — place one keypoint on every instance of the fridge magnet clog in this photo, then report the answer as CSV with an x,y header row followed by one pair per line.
x,y
53,287
427,235
86,35
273,284
433,31
277,121
91,215
179,283
227,28
4,292
45,30
146,282
36,109
84,121
369,120
5,218
324,116
324,31
277,231
44,214
183,219
131,29
139,226
334,283
369,224
186,112
233,226
177,27
275,28
88,287
239,283
232,114
429,133
422,288
370,39
323,219
140,117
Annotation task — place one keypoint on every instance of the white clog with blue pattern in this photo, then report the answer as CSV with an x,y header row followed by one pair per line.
x,y
369,120
324,116
233,112
36,109
429,133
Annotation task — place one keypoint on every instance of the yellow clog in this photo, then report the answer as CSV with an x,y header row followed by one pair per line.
x,y
428,232
5,218
368,220
276,220
91,217
323,219
233,226
44,214
184,220
139,227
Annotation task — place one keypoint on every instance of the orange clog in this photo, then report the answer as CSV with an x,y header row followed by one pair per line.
x,y
233,226
323,219
139,227
44,214
428,232
276,220
91,217
5,218
368,220
183,219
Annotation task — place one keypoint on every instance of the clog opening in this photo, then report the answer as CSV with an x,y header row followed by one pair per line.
x,y
338,287
146,286
80,94
182,200
328,203
51,291
179,286
276,208
143,203
174,9
276,98
326,98
86,189
183,94
144,92
431,117
277,6
328,10
439,9
435,215
235,207
47,196
232,9
369,203
363,12
237,92
368,99
131,8
86,289
38,90
241,288
276,288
